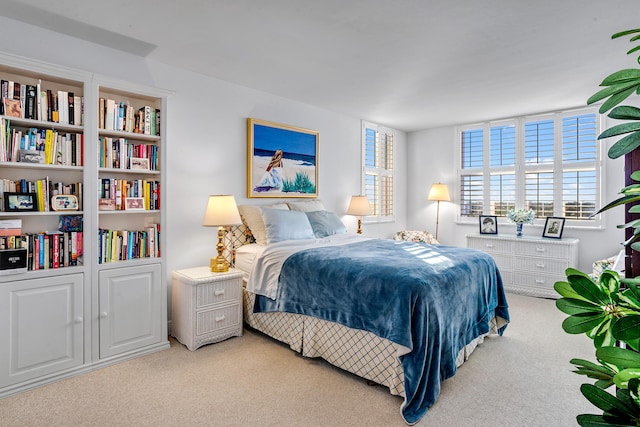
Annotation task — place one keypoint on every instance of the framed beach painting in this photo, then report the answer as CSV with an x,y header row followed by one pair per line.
x,y
282,160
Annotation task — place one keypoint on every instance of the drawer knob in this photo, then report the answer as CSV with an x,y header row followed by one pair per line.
x,y
540,249
489,245
219,292
540,265
540,281
219,318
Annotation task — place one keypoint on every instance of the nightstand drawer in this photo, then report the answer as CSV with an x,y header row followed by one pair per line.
x,y
218,292
219,318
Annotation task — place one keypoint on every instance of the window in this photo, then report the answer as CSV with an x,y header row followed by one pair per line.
x,y
378,171
549,163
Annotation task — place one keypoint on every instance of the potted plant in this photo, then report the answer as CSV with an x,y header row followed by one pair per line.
x,y
608,310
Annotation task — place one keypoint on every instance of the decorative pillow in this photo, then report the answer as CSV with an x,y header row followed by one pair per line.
x,y
416,236
252,217
286,225
306,205
325,223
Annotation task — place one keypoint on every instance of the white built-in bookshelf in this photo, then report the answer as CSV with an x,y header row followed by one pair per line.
x,y
81,171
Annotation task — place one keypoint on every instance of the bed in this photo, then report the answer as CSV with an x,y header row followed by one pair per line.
x,y
378,308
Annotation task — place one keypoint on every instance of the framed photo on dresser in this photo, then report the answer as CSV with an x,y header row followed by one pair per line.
x,y
488,224
553,227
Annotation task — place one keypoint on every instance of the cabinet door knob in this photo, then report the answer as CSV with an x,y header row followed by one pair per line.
x,y
79,319
540,265
540,281
540,249
219,292
489,245
104,314
219,318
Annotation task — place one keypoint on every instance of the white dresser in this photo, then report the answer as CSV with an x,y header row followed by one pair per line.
x,y
529,265
206,307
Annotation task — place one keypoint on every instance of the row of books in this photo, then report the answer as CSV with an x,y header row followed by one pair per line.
x,y
119,153
44,146
121,245
117,190
28,101
121,116
48,250
44,189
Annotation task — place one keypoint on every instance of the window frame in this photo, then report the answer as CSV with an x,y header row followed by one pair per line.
x,y
521,168
377,217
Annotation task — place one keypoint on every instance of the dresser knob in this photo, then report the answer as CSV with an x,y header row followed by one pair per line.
x,y
540,249
78,319
540,281
219,318
489,245
219,292
104,314
540,265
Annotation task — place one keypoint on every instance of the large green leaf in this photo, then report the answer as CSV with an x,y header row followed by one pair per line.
x,y
565,290
609,281
621,201
620,129
615,88
624,145
579,324
590,420
621,76
635,175
625,33
621,357
625,112
627,328
584,285
572,306
605,401
616,99
633,188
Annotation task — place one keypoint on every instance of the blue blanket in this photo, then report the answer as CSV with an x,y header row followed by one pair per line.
x,y
431,299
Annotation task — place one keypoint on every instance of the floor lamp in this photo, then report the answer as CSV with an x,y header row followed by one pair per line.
x,y
440,193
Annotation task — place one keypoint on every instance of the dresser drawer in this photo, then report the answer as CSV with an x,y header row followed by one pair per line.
x,y
219,318
218,292
541,265
490,245
542,249
543,281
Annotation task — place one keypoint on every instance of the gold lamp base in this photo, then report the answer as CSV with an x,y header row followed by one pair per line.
x,y
219,263
359,226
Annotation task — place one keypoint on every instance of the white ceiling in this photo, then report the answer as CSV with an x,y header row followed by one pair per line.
x,y
407,64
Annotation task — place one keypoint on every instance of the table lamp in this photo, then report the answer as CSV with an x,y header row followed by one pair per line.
x,y
221,211
440,193
359,206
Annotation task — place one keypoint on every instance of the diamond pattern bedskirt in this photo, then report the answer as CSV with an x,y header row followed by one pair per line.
x,y
359,352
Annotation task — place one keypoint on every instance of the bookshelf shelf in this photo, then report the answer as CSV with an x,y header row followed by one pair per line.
x,y
131,292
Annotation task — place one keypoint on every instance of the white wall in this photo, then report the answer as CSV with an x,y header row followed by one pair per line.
x,y
206,137
429,162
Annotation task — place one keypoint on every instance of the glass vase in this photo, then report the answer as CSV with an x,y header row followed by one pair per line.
x,y
519,229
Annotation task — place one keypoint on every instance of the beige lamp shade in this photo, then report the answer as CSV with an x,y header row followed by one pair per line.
x,y
359,206
221,210
439,192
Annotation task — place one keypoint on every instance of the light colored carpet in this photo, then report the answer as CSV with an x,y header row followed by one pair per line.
x,y
521,379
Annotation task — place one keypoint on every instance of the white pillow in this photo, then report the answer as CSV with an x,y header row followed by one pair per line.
x,y
306,205
286,225
252,217
325,223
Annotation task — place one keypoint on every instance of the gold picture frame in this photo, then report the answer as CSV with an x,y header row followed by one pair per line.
x,y
282,160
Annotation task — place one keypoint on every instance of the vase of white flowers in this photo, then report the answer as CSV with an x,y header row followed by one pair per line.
x,y
520,217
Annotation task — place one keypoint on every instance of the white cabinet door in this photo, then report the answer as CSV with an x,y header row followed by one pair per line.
x,y
130,303
41,327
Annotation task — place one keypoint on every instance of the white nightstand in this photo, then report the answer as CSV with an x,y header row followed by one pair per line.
x,y
206,307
